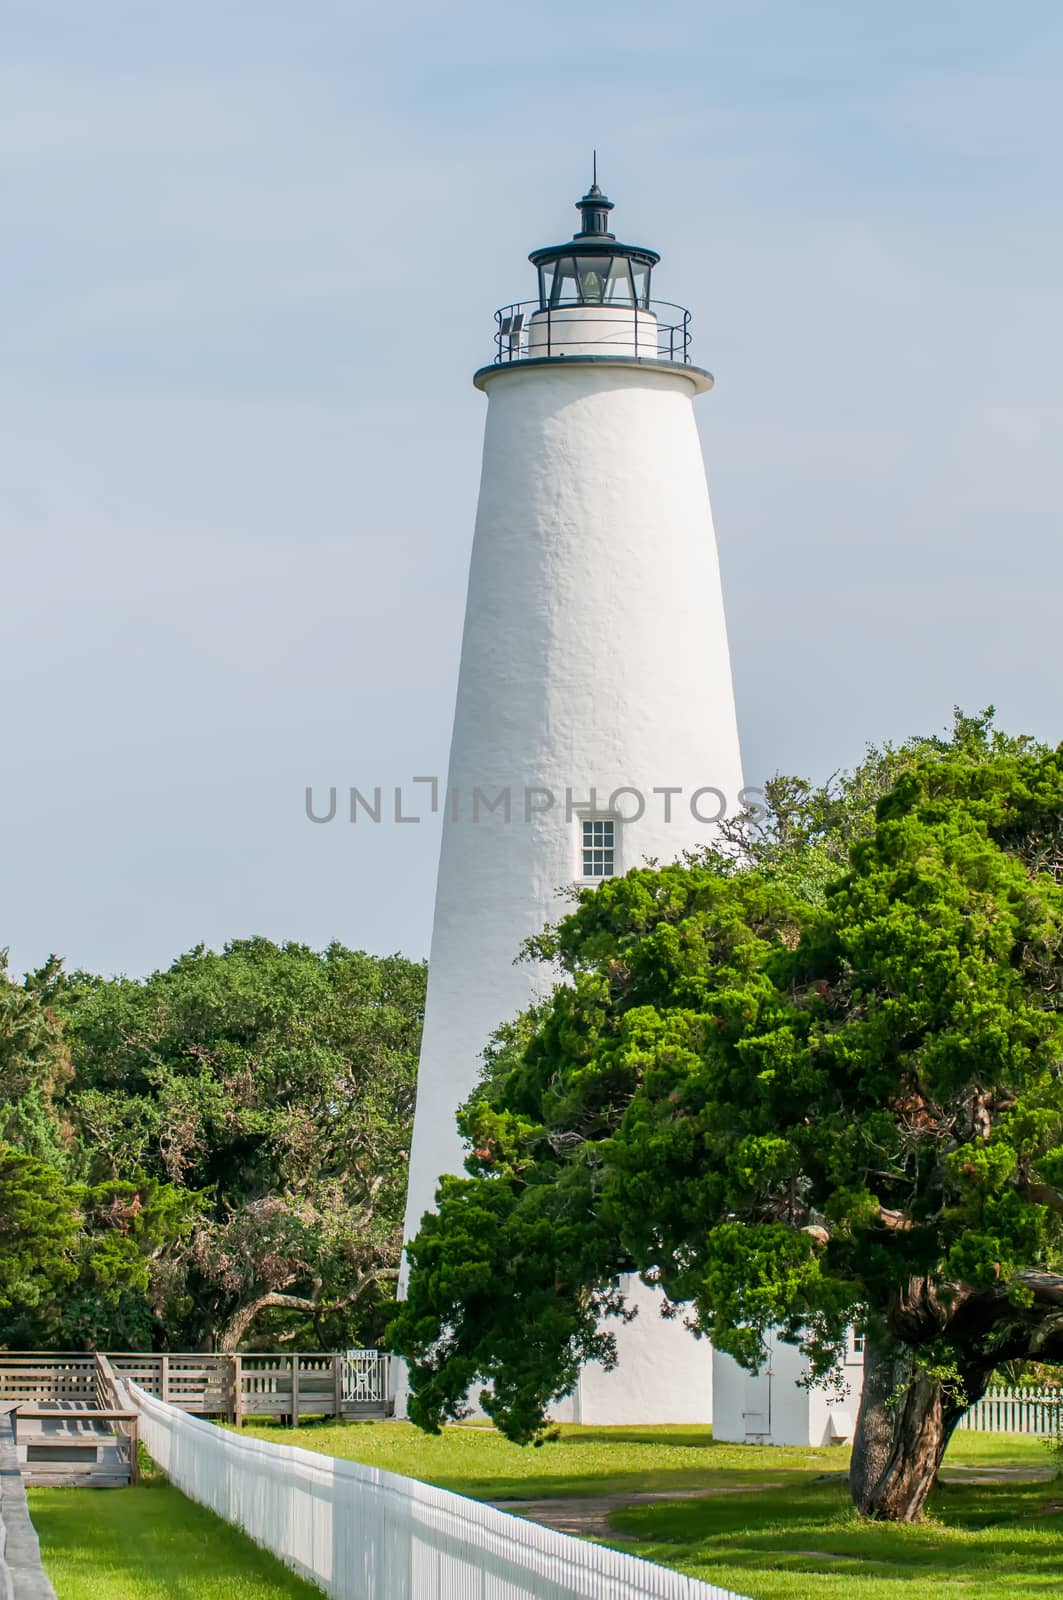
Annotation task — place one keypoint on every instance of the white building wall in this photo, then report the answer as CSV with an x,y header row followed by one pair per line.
x,y
664,1374
776,1406
729,1400
594,656
832,1412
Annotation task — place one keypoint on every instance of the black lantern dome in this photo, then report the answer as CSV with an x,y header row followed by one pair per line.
x,y
592,268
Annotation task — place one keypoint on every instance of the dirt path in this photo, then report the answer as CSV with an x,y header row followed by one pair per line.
x,y
997,1475
589,1518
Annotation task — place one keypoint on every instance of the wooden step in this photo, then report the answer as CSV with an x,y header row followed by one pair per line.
x,y
45,1478
66,1446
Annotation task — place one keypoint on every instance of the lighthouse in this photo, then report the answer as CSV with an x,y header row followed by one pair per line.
x,y
595,726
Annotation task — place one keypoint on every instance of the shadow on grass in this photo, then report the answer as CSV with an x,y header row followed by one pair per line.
x,y
993,1541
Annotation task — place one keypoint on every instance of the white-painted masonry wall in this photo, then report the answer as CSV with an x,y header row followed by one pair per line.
x,y
594,658
777,1406
664,1374
360,1533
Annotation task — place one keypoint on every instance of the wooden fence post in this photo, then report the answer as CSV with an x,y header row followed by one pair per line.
x,y
337,1380
295,1391
164,1379
238,1391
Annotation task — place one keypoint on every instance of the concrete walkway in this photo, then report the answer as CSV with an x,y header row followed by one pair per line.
x,y
21,1575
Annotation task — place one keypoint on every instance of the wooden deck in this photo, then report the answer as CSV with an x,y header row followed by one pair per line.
x,y
290,1386
65,1440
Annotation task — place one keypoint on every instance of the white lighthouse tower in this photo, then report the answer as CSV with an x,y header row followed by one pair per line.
x,y
595,723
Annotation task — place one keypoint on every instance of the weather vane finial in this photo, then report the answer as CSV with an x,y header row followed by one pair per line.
x,y
594,166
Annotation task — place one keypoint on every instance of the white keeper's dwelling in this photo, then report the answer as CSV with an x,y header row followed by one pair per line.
x,y
776,1406
595,721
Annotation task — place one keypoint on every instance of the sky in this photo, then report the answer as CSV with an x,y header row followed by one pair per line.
x,y
249,259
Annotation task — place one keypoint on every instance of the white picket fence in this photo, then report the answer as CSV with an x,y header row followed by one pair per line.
x,y
1001,1410
364,1534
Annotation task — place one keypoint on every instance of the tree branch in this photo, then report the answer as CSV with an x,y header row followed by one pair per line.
x,y
1043,1194
895,1221
1046,1287
242,1319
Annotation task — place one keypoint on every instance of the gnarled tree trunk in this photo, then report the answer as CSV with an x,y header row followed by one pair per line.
x,y
905,1422
231,1334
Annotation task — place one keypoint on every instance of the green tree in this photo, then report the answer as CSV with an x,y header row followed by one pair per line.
x,y
38,1232
72,1255
34,1065
274,1086
791,1102
94,1263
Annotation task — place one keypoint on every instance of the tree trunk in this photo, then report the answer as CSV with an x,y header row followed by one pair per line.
x,y
231,1335
903,1427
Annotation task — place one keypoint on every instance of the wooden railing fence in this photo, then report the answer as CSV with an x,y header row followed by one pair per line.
x,y
112,1401
36,1376
290,1385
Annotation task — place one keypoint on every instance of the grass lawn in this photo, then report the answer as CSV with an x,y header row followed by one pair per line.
x,y
583,1461
795,1540
150,1543
998,1542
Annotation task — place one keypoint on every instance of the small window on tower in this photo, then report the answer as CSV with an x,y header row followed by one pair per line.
x,y
599,847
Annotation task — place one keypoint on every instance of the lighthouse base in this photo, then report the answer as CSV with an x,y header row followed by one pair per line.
x,y
663,1372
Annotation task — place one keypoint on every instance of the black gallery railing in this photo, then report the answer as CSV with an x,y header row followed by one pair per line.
x,y
657,331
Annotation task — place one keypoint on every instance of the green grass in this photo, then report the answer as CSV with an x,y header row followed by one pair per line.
x,y
795,1541
995,1543
597,1461
150,1543
583,1461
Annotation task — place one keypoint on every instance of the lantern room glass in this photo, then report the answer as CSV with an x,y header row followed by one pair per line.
x,y
618,287
586,280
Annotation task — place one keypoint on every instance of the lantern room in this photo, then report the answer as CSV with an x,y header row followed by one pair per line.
x,y
593,269
594,303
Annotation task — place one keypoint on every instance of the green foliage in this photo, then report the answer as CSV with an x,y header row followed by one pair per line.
x,y
70,1252
218,1148
272,1088
34,1065
814,1084
37,1231
802,833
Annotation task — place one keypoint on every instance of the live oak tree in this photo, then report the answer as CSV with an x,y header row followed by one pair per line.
x,y
793,1100
273,1087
